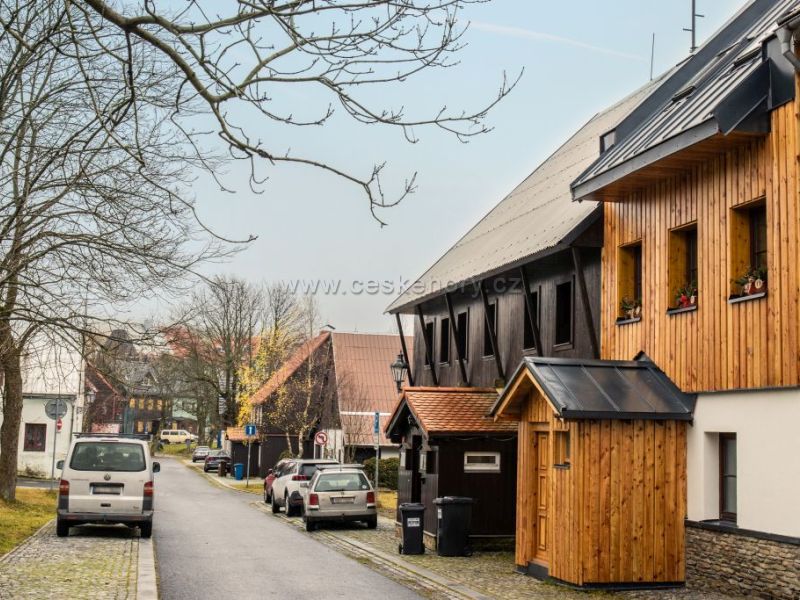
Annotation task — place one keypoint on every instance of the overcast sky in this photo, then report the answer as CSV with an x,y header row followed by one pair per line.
x,y
578,57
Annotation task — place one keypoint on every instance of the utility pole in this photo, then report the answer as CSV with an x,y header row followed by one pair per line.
x,y
652,55
693,29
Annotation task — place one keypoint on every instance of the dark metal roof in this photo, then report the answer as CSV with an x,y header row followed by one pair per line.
x,y
719,89
608,389
536,218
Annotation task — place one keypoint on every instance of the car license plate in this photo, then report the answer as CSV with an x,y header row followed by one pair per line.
x,y
107,489
342,500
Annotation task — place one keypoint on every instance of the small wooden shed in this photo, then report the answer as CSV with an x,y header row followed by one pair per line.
x,y
601,471
449,446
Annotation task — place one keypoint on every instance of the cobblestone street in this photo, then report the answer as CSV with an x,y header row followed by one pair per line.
x,y
92,563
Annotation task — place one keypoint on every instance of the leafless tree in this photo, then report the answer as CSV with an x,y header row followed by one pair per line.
x,y
235,63
93,208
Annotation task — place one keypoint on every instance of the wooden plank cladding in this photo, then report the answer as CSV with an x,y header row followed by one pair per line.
x,y
615,511
720,345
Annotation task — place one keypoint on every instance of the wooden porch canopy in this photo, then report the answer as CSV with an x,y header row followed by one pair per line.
x,y
446,411
596,389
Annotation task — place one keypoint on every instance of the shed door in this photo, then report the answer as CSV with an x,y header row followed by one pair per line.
x,y
541,449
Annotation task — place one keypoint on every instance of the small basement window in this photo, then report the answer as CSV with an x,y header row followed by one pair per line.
x,y
629,280
444,340
481,462
491,317
529,341
727,477
462,322
430,330
562,451
683,291
564,304
749,249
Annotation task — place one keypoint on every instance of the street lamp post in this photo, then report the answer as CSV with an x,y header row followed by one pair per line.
x,y
399,369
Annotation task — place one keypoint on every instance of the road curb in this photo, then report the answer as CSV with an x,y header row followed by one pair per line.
x,y
146,581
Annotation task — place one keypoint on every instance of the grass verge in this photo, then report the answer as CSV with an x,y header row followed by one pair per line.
x,y
255,486
387,503
18,520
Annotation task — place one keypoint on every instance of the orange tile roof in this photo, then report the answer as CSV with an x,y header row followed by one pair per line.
x,y
235,434
364,381
288,368
443,410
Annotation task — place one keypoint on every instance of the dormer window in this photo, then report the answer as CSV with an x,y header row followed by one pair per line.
x,y
607,140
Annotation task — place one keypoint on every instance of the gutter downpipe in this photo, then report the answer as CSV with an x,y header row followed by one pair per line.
x,y
786,36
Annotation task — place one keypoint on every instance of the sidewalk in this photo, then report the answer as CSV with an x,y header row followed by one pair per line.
x,y
93,562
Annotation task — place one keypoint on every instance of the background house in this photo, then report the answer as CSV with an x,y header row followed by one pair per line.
x,y
51,371
334,383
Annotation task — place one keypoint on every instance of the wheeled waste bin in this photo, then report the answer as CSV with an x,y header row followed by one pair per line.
x,y
412,516
454,516
238,471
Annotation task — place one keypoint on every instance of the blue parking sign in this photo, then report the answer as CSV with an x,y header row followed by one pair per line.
x,y
376,426
249,430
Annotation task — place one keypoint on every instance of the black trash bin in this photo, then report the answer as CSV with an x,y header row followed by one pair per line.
x,y
454,516
412,516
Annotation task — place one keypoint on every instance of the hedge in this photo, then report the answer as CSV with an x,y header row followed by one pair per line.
x,y
387,472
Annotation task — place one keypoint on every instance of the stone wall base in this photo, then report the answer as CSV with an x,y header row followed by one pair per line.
x,y
720,559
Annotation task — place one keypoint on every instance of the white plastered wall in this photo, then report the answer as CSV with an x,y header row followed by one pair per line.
x,y
767,428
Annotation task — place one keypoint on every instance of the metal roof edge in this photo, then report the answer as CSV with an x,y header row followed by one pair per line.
x,y
585,190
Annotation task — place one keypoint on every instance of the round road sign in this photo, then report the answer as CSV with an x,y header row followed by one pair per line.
x,y
55,409
321,438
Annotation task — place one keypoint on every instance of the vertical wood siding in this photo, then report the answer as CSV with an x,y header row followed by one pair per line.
x,y
616,515
720,346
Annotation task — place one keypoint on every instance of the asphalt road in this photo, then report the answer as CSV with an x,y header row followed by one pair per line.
x,y
211,543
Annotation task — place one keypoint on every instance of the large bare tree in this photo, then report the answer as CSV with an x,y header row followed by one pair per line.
x,y
235,61
93,209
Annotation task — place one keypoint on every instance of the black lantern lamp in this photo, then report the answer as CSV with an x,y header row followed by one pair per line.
x,y
399,369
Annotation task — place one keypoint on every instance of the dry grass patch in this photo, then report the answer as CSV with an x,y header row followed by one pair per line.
x,y
18,520
387,503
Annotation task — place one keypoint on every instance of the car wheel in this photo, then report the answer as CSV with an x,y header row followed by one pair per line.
x,y
310,525
146,529
287,506
205,469
372,523
275,508
266,496
62,528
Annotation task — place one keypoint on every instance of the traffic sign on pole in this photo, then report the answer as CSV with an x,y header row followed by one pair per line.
x,y
55,409
59,424
250,430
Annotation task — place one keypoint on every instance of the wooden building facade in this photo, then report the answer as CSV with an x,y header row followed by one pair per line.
x,y
446,452
602,471
702,193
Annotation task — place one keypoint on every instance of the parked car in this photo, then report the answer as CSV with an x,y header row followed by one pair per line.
x,y
176,436
200,453
106,479
339,494
272,474
285,492
214,458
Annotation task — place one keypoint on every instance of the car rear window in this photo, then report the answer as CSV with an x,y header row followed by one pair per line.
x,y
108,456
342,482
309,470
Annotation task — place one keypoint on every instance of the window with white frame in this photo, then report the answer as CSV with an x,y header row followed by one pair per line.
x,y
481,462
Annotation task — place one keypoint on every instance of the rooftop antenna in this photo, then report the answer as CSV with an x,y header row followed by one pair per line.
x,y
693,30
652,55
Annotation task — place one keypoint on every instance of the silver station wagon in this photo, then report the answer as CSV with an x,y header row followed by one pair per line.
x,y
339,494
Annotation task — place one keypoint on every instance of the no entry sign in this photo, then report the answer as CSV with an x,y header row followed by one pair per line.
x,y
321,438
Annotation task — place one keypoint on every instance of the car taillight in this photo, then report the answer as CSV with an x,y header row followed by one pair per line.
x,y
63,488
148,489
370,498
313,501
299,478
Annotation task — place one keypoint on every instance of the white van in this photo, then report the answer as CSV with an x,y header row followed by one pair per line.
x,y
107,479
176,436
